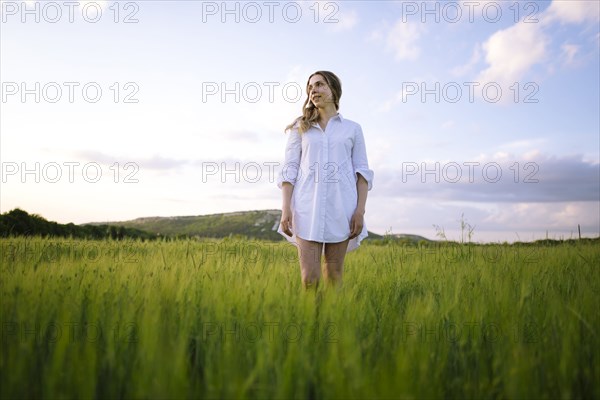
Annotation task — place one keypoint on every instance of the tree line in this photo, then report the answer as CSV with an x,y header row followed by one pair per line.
x,y
18,222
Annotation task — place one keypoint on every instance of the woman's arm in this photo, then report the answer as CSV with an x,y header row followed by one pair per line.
x,y
364,182
287,178
357,221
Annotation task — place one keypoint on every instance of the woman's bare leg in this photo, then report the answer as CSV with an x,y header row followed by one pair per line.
x,y
309,253
334,261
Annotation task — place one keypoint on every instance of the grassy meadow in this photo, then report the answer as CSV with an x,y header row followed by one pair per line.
x,y
229,319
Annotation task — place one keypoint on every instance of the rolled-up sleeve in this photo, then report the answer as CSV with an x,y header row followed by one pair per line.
x,y
291,164
359,158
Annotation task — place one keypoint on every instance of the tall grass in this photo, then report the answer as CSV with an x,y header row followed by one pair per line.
x,y
229,319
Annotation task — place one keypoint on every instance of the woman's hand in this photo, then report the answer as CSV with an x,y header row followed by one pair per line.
x,y
286,210
356,224
286,221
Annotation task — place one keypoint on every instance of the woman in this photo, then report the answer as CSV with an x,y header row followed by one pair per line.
x,y
324,182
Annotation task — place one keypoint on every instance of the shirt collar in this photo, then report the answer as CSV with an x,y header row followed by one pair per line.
x,y
338,116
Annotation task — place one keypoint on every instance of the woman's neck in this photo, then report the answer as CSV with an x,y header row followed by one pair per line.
x,y
326,113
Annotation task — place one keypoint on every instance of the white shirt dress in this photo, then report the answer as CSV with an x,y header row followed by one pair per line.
x,y
323,166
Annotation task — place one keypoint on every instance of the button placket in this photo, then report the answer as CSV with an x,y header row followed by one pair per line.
x,y
323,191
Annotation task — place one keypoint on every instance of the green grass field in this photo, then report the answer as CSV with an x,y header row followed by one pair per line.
x,y
229,319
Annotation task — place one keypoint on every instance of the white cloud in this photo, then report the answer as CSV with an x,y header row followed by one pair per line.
x,y
378,33
477,7
402,40
569,51
572,11
542,216
511,52
493,222
524,144
462,70
346,21
500,178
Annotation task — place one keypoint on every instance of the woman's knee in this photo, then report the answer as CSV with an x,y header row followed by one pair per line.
x,y
335,253
333,270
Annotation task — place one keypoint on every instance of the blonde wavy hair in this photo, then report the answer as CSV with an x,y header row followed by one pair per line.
x,y
310,113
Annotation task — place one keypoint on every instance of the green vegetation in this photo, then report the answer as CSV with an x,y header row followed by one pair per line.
x,y
19,223
258,224
254,224
228,319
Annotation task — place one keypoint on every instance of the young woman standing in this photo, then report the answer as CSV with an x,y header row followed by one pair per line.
x,y
324,182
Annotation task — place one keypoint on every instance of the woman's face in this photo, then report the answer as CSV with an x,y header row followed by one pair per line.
x,y
319,91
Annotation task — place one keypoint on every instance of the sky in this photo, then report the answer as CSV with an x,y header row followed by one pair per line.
x,y
485,111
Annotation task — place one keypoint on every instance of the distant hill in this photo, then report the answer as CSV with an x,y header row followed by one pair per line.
x,y
255,224
409,237
20,223
258,224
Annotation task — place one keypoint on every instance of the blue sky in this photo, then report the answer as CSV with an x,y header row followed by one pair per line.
x,y
484,108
